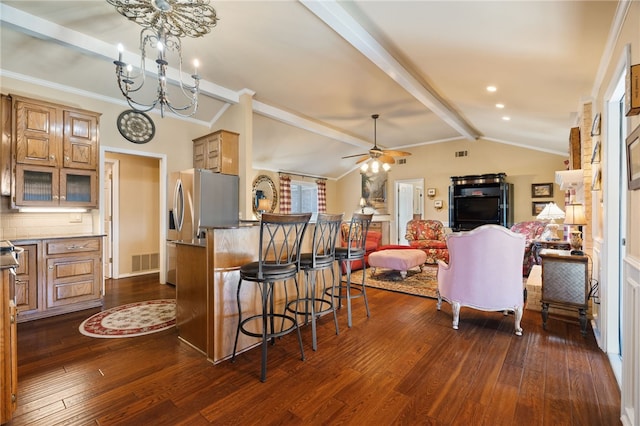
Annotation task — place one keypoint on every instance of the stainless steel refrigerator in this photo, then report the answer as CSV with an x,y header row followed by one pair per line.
x,y
198,199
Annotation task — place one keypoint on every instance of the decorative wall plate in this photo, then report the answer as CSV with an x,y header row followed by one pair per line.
x,y
136,127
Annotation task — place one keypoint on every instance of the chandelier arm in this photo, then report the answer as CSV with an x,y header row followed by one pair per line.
x,y
164,22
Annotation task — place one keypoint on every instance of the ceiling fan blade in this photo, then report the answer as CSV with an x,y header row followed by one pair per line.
x,y
365,157
355,155
396,153
386,159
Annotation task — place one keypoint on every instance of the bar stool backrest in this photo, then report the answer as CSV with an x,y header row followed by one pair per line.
x,y
357,236
325,237
280,240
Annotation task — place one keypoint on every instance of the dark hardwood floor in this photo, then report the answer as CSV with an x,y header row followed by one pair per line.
x,y
404,365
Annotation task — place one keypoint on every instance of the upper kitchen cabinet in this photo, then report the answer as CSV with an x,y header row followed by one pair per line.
x,y
55,155
217,151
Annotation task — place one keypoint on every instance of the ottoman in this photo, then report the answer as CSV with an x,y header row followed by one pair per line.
x,y
399,260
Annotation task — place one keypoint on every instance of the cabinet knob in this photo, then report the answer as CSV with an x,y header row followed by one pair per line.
x,y
52,157
62,197
66,158
55,197
12,319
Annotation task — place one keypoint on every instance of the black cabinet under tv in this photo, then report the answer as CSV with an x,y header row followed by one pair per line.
x,y
476,200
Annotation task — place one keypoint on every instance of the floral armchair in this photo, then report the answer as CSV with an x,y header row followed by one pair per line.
x,y
428,235
532,230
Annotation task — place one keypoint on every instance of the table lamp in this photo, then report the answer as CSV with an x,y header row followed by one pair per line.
x,y
264,205
551,212
575,216
363,204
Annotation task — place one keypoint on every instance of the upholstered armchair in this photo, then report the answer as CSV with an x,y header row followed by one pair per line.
x,y
484,272
428,235
532,230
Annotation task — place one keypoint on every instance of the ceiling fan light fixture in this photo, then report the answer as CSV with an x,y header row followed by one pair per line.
x,y
364,167
386,167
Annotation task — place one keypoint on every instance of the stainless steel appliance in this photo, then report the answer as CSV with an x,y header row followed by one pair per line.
x,y
199,199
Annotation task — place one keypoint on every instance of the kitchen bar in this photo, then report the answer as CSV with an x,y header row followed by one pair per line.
x,y
206,291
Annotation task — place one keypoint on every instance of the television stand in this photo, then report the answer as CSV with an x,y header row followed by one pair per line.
x,y
477,200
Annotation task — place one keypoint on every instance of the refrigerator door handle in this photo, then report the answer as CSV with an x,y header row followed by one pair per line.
x,y
178,205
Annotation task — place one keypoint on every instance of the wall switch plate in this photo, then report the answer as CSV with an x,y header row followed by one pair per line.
x,y
437,204
75,218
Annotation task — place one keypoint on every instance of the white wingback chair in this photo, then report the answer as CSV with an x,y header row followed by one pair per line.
x,y
484,272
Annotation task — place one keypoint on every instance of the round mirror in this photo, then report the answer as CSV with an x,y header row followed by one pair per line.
x,y
265,195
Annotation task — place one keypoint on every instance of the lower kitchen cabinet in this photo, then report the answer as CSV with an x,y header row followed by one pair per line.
x,y
26,289
58,276
8,348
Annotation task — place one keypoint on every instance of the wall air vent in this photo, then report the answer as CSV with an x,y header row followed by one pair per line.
x,y
402,161
461,153
145,262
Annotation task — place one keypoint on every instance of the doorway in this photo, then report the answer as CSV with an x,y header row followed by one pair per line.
x,y
409,202
135,229
614,225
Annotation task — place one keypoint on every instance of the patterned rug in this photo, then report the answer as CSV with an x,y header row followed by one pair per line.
x,y
134,319
418,283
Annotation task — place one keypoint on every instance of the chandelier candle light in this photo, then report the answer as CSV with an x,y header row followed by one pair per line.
x,y
551,212
163,22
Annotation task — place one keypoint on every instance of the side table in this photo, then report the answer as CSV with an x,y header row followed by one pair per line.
x,y
565,284
539,245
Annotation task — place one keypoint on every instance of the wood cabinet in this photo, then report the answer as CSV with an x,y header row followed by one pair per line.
x,y
476,200
55,155
58,276
74,271
8,347
26,288
217,151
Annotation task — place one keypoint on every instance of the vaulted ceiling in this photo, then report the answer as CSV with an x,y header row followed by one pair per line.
x,y
319,70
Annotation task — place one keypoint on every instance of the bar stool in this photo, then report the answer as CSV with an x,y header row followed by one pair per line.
x,y
315,303
278,261
355,250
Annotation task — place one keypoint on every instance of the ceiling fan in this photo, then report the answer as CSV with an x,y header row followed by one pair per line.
x,y
384,156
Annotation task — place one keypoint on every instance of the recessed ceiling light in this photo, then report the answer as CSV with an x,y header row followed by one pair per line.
x,y
491,88
506,118
500,106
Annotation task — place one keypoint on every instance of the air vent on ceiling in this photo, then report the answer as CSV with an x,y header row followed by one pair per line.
x,y
461,153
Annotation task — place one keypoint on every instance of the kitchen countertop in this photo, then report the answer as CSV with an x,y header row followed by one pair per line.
x,y
56,237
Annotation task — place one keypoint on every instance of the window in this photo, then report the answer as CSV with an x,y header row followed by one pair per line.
x,y
304,198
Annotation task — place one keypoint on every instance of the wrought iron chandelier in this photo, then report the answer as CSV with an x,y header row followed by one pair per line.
x,y
163,23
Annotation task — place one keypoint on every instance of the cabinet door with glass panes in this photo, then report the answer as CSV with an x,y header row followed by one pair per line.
x,y
52,187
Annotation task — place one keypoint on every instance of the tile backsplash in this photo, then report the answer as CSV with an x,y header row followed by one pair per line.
x,y
15,225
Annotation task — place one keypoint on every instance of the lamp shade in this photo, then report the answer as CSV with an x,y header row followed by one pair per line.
x,y
264,204
575,215
551,212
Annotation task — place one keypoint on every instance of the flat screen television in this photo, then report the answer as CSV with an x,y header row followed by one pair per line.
x,y
477,209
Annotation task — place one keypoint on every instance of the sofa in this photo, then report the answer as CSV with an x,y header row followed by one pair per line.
x,y
428,235
532,230
373,242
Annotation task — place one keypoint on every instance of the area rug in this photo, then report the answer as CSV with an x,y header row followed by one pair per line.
x,y
420,283
133,319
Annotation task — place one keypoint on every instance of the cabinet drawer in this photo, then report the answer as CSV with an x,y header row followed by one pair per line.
x,y
77,245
